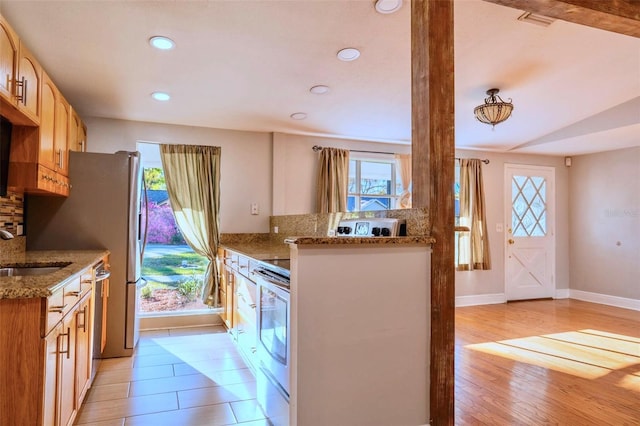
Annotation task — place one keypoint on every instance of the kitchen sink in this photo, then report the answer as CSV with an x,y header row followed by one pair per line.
x,y
17,271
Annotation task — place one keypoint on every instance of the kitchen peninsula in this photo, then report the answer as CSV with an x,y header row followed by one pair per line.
x,y
359,327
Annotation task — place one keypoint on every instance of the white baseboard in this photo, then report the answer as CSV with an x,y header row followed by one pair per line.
x,y
480,299
563,293
181,320
605,299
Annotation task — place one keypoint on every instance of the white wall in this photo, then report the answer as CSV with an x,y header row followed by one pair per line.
x,y
492,282
605,223
246,163
295,168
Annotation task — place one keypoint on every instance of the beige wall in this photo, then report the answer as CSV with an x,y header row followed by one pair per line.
x,y
245,163
492,282
295,168
605,223
278,171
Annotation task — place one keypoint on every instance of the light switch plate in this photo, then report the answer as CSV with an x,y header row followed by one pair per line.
x,y
499,227
254,208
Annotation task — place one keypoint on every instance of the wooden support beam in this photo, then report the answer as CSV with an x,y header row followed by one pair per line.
x,y
619,16
433,167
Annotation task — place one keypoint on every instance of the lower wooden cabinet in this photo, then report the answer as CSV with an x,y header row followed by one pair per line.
x,y
67,368
238,301
84,344
47,371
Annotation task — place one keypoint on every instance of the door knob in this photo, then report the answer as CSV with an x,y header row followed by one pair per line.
x,y
511,241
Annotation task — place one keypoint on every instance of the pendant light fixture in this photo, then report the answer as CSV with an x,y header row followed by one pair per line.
x,y
494,110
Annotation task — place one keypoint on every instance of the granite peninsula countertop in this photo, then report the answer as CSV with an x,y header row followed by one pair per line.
x,y
265,250
22,287
259,250
423,239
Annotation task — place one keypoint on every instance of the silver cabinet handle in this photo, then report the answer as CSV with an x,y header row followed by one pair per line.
x,y
68,351
57,309
22,97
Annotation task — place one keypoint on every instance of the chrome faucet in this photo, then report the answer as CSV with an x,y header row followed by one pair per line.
x,y
5,235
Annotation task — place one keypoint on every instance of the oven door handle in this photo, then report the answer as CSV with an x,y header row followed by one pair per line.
x,y
266,276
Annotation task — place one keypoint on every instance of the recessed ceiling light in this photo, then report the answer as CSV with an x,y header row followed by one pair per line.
x,y
299,115
160,96
388,6
319,89
162,43
348,54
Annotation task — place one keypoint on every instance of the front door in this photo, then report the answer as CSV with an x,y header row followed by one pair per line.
x,y
530,237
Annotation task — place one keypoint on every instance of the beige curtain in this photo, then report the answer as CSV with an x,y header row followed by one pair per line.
x,y
333,180
403,163
473,246
192,175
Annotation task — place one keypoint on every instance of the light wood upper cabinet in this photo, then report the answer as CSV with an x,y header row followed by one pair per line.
x,y
77,133
45,126
19,79
8,59
9,46
46,151
27,86
61,135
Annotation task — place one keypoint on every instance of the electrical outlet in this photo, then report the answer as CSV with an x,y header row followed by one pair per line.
x,y
254,208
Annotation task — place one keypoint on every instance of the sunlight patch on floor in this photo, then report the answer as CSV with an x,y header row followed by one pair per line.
x,y
589,354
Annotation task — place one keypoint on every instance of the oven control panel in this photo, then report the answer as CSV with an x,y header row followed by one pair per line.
x,y
382,227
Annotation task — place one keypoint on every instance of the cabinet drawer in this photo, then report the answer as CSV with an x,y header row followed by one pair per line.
x,y
243,265
86,281
60,302
55,309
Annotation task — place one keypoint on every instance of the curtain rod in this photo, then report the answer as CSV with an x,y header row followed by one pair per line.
x,y
317,148
485,161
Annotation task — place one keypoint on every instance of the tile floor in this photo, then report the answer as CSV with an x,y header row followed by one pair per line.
x,y
178,377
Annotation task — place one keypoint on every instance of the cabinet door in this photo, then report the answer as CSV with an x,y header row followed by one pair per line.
x,y
60,141
83,348
75,127
67,352
27,89
8,59
46,152
51,383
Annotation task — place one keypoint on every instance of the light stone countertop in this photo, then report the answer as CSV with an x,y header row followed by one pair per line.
x,y
360,240
259,250
44,285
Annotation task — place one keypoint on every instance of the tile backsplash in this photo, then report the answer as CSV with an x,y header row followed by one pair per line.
x,y
11,211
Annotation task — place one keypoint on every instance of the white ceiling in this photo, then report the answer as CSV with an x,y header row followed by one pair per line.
x,y
249,65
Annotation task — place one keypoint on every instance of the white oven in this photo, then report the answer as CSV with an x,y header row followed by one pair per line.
x,y
273,348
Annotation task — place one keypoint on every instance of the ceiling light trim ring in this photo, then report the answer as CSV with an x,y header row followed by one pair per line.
x,y
386,7
494,110
348,54
161,96
162,43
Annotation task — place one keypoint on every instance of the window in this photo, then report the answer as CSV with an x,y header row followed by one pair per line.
x,y
373,184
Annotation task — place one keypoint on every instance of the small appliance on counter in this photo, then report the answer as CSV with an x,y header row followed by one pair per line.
x,y
379,227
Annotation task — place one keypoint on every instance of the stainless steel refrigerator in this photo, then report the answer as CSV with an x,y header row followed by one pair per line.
x,y
103,210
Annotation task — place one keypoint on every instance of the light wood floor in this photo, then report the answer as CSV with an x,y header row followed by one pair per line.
x,y
561,362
